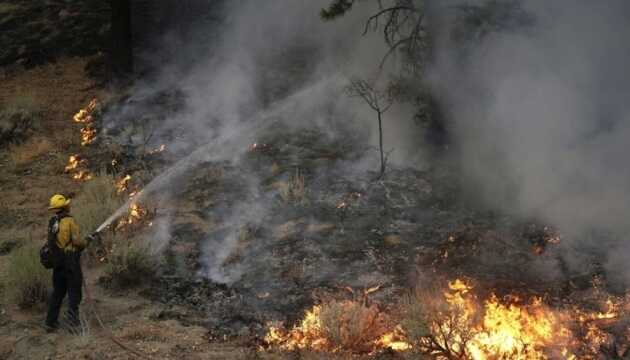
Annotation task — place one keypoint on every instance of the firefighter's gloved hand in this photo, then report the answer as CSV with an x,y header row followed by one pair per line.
x,y
93,237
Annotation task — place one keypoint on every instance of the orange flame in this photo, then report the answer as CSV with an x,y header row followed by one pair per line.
x,y
84,116
122,184
495,328
76,168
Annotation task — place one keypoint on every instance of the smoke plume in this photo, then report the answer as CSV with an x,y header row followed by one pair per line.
x,y
540,114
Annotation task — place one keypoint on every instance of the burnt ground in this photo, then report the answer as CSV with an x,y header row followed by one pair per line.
x,y
241,255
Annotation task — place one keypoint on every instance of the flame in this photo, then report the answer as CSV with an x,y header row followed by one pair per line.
x,y
85,117
508,327
122,184
88,135
73,163
336,326
76,168
394,340
137,213
307,334
82,176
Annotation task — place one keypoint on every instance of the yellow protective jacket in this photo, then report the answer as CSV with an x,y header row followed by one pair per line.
x,y
69,236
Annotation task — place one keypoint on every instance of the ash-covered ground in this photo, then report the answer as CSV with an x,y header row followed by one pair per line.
x,y
297,217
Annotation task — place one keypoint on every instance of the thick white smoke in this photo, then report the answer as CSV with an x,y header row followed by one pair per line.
x,y
273,61
541,117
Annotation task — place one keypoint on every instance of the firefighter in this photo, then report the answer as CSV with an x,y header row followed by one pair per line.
x,y
67,275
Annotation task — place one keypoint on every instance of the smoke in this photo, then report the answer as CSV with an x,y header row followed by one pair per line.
x,y
262,65
540,114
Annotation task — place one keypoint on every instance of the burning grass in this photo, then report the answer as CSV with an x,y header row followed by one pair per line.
x,y
457,322
77,168
85,117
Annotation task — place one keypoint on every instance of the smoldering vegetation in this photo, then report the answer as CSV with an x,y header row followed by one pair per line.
x,y
539,113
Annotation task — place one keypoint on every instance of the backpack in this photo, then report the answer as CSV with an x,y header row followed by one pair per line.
x,y
50,255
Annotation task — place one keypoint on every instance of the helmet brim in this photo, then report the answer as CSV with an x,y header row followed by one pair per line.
x,y
60,206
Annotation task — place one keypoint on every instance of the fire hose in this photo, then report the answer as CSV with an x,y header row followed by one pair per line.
x,y
92,306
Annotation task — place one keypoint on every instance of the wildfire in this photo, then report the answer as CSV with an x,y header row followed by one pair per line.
x,y
85,117
458,326
136,215
76,167
122,184
335,326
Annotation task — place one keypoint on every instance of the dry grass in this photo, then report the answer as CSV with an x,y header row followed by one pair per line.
x,y
96,202
129,265
26,281
29,151
294,190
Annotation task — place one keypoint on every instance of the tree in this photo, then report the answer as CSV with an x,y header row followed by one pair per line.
x,y
401,22
121,54
378,100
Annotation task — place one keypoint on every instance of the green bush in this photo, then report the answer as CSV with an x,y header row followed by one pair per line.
x,y
96,202
26,281
129,265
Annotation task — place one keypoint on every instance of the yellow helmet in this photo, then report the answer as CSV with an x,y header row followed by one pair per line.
x,y
58,201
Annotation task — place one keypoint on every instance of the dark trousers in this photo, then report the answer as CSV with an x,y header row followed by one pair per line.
x,y
67,279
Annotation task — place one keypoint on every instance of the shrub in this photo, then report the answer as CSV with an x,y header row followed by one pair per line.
x,y
30,150
129,265
352,325
96,202
436,327
294,190
18,118
26,281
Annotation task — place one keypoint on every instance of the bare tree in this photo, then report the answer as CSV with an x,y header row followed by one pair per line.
x,y
401,21
378,100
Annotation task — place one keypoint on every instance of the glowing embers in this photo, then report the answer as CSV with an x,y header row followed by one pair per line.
x,y
85,117
77,168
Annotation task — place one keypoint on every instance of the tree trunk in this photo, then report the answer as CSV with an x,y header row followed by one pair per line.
x,y
380,141
121,51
